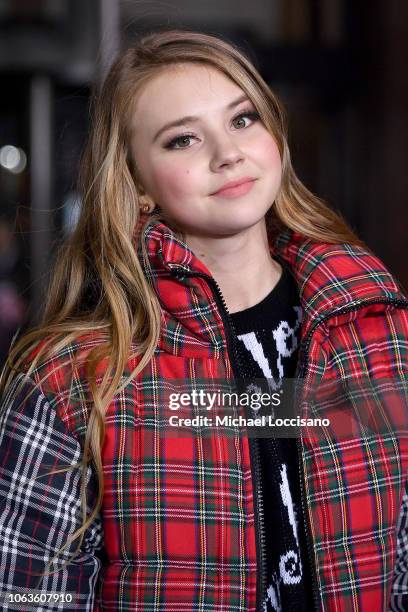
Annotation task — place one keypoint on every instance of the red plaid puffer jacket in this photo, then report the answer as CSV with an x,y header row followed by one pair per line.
x,y
180,523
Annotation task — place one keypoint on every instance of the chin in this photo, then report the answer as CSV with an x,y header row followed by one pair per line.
x,y
235,226
245,218
226,222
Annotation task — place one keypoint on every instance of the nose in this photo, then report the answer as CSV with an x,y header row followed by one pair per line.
x,y
225,153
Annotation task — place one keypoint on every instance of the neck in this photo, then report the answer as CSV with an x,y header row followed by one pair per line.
x,y
240,263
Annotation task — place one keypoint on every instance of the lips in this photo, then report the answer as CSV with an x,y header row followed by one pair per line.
x,y
236,188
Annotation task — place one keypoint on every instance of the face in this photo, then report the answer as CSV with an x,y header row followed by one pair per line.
x,y
202,153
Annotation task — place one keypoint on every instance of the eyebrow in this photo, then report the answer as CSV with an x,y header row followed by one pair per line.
x,y
192,118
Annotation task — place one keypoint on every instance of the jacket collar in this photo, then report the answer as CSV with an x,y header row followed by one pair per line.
x,y
331,278
335,277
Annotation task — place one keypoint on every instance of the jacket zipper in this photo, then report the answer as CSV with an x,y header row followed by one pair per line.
x,y
255,458
253,443
301,374
253,446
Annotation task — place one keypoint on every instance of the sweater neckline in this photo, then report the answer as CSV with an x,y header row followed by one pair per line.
x,y
277,292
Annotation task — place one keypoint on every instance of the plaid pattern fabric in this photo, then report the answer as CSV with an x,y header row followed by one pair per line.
x,y
178,513
39,512
356,374
399,593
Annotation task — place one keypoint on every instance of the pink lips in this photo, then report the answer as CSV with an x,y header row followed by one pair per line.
x,y
234,189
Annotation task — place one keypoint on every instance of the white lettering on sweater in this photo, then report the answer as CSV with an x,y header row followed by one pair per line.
x,y
290,565
286,344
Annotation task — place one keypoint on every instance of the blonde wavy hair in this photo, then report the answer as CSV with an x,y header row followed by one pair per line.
x,y
98,284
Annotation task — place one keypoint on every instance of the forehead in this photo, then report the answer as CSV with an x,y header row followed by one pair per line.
x,y
184,89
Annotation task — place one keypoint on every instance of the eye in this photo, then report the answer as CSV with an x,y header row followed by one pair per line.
x,y
179,142
245,119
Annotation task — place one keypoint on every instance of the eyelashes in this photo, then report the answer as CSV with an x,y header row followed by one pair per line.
x,y
183,140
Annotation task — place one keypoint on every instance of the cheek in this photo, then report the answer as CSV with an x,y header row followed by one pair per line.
x,y
269,154
172,181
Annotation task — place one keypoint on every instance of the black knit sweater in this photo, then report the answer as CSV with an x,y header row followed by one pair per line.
x,y
268,335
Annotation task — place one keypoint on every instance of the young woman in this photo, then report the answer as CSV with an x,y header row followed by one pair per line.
x,y
200,256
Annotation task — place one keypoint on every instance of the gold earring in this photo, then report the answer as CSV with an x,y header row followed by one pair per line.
x,y
144,205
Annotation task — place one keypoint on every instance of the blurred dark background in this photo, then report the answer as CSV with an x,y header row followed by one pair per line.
x,y
338,66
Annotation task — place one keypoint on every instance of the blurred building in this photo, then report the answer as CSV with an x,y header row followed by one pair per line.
x,y
337,66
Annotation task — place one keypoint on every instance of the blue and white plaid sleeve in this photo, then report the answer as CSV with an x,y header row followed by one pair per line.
x,y
399,591
38,514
